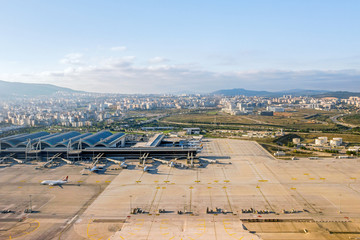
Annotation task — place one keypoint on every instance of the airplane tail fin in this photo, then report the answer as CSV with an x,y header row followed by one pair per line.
x,y
66,178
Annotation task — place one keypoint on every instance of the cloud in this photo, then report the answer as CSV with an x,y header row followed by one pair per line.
x,y
118,48
129,58
72,58
123,75
158,60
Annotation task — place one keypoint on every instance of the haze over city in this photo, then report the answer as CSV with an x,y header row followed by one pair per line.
x,y
181,46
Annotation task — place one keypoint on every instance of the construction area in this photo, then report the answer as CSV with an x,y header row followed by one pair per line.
x,y
232,189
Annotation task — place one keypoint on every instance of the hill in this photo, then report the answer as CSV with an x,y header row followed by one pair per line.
x,y
293,92
241,91
17,89
339,94
250,93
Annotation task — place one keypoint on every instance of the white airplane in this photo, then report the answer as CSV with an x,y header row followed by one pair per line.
x,y
55,182
146,169
123,165
96,168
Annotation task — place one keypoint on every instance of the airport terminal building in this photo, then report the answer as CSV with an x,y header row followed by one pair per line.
x,y
82,146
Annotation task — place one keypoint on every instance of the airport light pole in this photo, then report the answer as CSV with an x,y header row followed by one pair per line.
x,y
30,204
340,203
130,203
253,207
184,197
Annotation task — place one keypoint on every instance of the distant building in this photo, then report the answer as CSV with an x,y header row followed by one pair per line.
x,y
275,109
266,113
191,131
321,141
336,142
354,149
296,141
279,153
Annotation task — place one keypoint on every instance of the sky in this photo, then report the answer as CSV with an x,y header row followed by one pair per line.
x,y
168,46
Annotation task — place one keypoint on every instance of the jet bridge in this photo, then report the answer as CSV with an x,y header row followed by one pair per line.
x,y
9,156
208,160
121,163
17,160
97,158
169,163
143,158
51,159
161,160
67,161
114,160
190,158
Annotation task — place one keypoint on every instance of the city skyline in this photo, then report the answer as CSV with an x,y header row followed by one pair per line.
x,y
162,47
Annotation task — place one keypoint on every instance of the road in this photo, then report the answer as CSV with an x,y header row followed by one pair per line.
x,y
336,121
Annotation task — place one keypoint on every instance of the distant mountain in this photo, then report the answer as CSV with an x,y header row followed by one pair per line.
x,y
302,92
251,93
17,89
241,91
339,94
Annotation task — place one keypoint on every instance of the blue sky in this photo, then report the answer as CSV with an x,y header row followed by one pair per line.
x,y
171,46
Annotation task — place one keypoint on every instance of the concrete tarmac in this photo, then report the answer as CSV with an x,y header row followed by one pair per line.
x,y
291,198
248,194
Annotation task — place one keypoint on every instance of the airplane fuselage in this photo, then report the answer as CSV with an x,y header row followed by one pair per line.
x,y
53,182
96,169
123,165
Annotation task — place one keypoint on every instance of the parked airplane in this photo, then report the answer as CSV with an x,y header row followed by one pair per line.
x,y
172,164
96,168
55,182
146,169
123,165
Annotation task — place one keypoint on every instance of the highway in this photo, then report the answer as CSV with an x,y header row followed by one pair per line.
x,y
335,120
